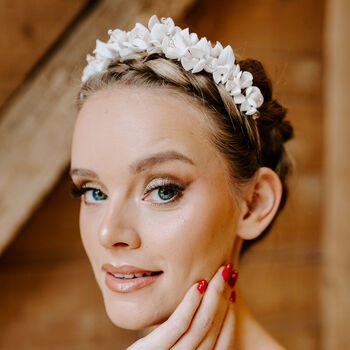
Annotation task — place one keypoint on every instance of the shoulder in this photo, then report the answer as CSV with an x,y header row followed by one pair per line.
x,y
252,335
261,339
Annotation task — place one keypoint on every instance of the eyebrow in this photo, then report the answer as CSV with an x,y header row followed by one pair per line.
x,y
141,164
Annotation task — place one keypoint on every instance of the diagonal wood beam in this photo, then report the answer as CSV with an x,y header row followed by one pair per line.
x,y
36,126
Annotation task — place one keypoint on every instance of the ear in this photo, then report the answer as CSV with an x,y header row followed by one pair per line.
x,y
260,203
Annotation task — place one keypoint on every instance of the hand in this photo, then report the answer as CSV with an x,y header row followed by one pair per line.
x,y
201,321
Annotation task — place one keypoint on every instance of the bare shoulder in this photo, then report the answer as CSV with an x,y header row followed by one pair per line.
x,y
262,340
252,336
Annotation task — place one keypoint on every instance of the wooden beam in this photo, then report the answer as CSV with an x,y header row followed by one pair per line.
x,y
336,271
36,126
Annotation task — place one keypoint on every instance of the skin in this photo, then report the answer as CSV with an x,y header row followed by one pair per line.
x,y
188,239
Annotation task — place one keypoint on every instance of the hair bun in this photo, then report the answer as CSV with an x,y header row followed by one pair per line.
x,y
273,117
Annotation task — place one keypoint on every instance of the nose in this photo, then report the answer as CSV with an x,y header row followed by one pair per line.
x,y
117,228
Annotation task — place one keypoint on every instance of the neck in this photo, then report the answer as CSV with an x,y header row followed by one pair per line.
x,y
249,333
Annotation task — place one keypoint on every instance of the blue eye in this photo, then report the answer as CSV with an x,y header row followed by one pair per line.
x,y
94,194
91,195
163,191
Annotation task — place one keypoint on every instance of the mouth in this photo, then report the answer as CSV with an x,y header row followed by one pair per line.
x,y
126,279
136,275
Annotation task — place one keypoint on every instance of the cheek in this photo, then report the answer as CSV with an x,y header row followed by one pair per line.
x,y
89,223
197,236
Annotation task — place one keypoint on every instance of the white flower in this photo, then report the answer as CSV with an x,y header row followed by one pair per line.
x,y
253,100
152,21
102,50
216,50
195,58
175,47
211,64
225,63
162,36
87,72
117,36
240,81
116,43
238,99
212,57
95,65
138,38
161,30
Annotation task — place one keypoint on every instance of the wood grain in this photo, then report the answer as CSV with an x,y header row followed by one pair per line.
x,y
27,30
335,297
36,127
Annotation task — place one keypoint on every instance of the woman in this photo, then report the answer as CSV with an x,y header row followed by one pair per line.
x,y
178,155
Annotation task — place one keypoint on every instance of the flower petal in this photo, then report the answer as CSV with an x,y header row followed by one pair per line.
x,y
226,57
152,21
199,66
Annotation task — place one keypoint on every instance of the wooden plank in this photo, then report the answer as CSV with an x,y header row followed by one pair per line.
x,y
36,128
336,282
27,29
51,235
273,25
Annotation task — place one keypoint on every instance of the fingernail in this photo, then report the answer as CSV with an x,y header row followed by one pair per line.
x,y
226,272
202,286
233,296
233,278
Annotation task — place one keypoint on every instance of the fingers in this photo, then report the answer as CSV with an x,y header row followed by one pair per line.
x,y
222,324
208,320
226,336
164,336
212,334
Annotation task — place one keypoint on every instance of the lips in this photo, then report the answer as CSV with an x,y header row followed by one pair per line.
x,y
126,278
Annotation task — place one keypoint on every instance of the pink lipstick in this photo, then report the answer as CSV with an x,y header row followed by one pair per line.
x,y
126,278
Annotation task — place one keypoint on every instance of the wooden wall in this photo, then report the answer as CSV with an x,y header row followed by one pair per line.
x,y
47,290
28,29
336,228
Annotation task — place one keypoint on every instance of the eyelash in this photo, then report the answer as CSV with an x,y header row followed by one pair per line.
x,y
159,183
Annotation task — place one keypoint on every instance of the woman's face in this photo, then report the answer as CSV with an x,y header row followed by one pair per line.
x,y
156,201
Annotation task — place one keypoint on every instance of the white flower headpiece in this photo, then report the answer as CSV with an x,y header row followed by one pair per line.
x,y
194,54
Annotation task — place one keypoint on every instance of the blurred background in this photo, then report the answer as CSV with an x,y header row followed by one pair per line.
x,y
295,280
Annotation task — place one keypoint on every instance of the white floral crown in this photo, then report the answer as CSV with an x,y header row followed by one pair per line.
x,y
176,43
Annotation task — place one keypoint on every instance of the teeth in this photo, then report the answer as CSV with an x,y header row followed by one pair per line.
x,y
130,276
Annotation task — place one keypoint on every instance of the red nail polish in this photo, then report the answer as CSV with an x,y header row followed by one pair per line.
x,y
233,296
233,278
202,286
226,272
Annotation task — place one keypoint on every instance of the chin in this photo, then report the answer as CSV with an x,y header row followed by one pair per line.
x,y
135,317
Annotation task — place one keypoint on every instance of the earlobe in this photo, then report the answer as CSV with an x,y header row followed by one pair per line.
x,y
260,203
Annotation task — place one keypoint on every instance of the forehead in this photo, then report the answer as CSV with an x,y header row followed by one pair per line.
x,y
124,123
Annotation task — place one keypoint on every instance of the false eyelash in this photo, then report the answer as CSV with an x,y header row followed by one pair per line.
x,y
162,183
76,191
